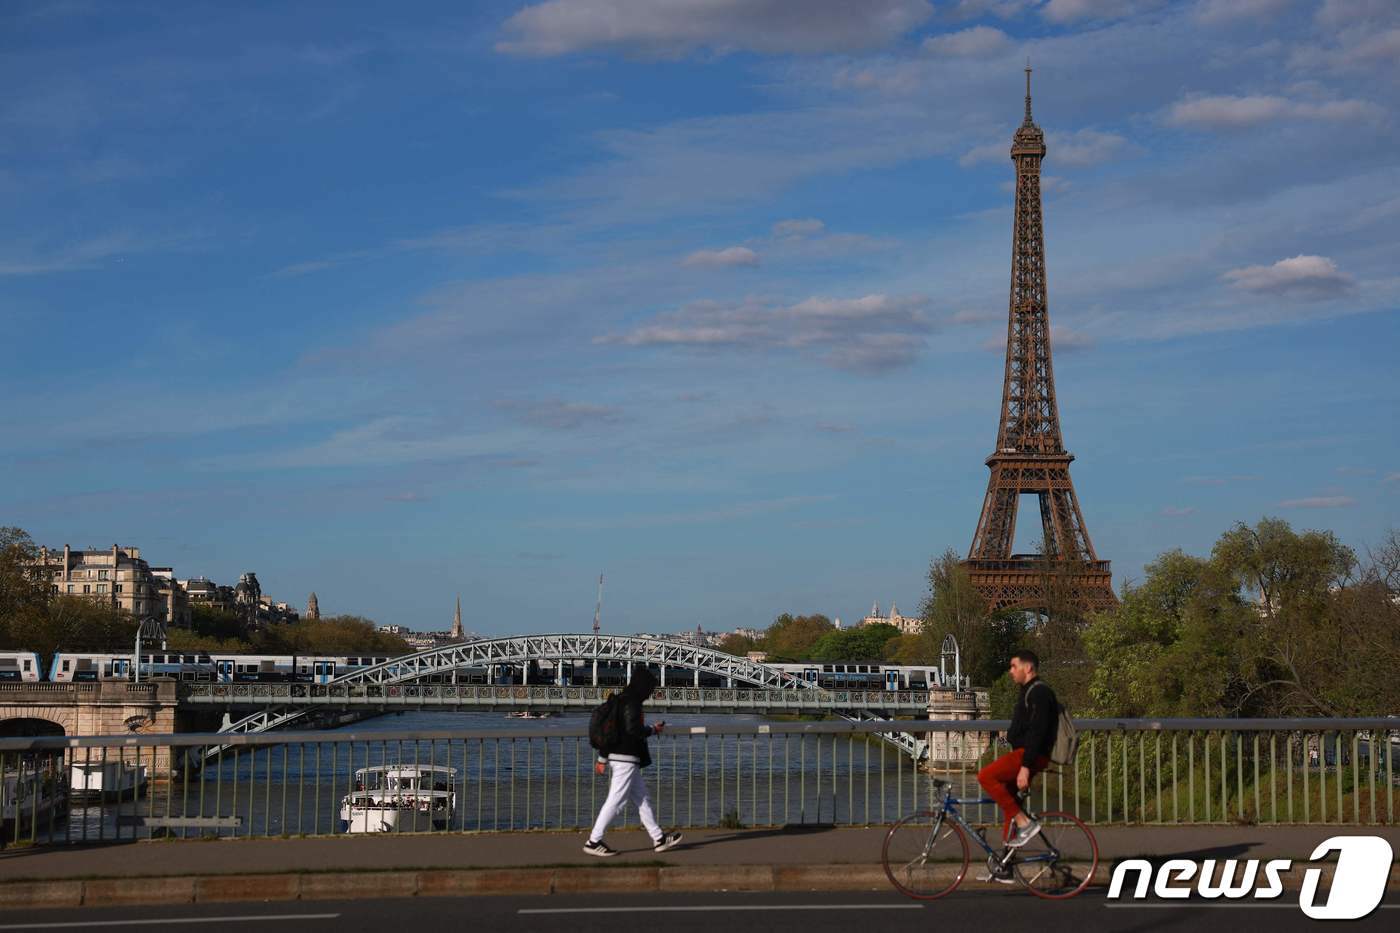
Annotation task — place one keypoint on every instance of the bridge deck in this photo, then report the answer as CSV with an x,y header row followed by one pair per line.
x,y
552,698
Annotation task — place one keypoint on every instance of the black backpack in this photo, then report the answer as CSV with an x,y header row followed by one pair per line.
x,y
604,730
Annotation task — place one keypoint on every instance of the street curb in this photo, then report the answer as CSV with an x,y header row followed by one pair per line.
x,y
447,882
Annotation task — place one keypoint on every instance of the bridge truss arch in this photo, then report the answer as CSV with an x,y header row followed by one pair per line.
x,y
522,649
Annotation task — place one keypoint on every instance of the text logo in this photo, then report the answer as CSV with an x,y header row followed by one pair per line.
x,y
1358,881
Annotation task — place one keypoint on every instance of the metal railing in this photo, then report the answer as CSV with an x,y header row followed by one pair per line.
x,y
730,775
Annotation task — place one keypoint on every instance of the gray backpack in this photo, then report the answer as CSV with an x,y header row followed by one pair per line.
x,y
1066,737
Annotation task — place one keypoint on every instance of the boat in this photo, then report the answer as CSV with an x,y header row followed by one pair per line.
x,y
529,714
31,797
106,779
399,798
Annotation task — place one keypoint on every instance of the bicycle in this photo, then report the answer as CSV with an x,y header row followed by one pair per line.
x,y
921,850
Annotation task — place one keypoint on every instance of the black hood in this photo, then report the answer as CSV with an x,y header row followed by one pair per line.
x,y
642,684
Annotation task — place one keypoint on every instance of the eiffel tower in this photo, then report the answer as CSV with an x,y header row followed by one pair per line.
x,y
1030,456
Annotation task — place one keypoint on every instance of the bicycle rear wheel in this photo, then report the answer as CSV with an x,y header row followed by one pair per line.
x,y
1059,862
925,855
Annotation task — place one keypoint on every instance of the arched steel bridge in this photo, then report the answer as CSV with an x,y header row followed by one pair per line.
x,y
372,687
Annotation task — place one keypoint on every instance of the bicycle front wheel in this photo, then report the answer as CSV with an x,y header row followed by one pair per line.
x,y
1060,861
925,855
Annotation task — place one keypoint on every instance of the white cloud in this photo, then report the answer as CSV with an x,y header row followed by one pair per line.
x,y
557,414
991,152
1318,502
1390,478
1230,112
669,28
973,9
1068,11
804,226
977,40
384,441
868,333
1302,276
1084,147
1343,14
725,258
1214,12
976,316
726,513
86,254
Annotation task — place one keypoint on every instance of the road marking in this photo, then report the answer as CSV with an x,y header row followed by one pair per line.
x,y
716,907
1190,905
162,920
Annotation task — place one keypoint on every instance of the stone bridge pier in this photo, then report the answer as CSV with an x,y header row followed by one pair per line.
x,y
104,708
957,751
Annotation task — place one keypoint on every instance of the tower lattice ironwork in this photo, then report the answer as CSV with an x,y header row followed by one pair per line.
x,y
1030,456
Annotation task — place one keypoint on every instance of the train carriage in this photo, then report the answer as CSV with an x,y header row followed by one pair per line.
x,y
19,666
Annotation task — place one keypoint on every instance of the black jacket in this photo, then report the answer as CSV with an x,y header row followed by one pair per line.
x,y
1035,721
632,746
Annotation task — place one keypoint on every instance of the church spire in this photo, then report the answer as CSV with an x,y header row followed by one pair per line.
x,y
457,621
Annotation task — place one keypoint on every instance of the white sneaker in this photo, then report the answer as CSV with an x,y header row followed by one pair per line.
x,y
668,841
600,848
1000,877
1023,835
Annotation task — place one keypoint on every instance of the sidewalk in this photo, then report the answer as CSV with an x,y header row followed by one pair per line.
x,y
794,858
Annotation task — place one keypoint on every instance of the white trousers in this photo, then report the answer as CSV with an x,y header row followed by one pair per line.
x,y
626,784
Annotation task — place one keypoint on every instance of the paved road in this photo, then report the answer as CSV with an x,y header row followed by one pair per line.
x,y
701,913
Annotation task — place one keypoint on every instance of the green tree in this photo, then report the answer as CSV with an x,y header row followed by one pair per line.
x,y
70,623
212,622
1275,623
338,635
738,645
1172,645
953,607
1293,578
862,643
23,592
790,637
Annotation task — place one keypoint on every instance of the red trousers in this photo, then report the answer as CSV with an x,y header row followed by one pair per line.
x,y
998,779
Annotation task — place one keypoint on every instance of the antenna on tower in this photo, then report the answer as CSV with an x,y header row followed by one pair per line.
x,y
598,610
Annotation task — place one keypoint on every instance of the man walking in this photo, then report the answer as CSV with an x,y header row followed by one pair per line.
x,y
626,761
1034,723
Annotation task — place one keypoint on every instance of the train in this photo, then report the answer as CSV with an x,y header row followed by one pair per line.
x,y
201,667
86,667
19,666
867,676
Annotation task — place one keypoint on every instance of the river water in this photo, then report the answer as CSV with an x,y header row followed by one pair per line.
x,y
536,780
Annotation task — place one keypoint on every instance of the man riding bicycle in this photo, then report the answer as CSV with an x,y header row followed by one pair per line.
x,y
1032,735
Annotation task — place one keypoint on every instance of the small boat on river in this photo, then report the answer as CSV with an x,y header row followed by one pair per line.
x,y
399,798
110,779
530,714
31,797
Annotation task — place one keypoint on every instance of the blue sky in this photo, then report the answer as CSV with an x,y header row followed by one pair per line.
x,y
392,303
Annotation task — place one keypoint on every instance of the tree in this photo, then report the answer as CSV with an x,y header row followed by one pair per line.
x,y
862,643
22,589
738,645
1294,578
70,623
336,635
790,637
953,607
1274,623
1171,646
212,622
